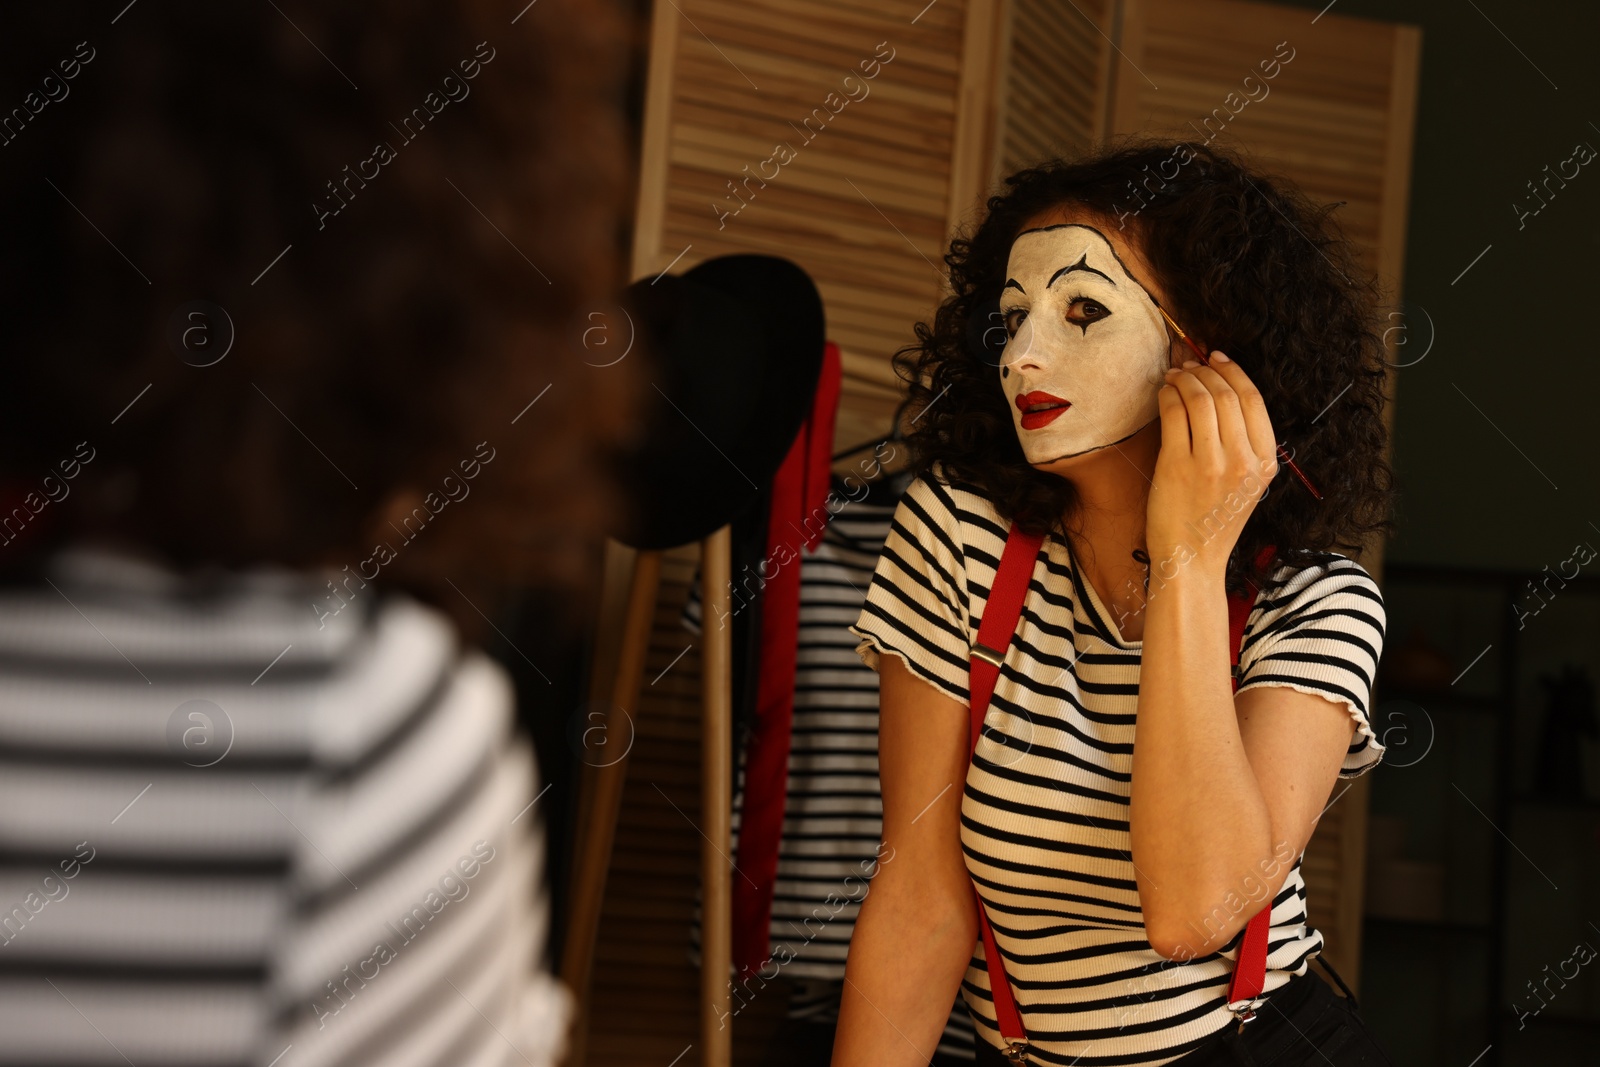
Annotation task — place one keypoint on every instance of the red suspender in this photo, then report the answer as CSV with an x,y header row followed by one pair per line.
x,y
994,634
999,622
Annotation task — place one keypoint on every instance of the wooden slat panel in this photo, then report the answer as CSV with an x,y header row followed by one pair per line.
x,y
1054,95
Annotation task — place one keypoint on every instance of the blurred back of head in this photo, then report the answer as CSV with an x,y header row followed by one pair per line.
x,y
289,272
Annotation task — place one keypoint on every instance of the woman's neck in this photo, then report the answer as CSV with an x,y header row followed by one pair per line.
x,y
1113,487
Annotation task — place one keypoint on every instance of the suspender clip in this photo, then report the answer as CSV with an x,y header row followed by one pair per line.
x,y
987,654
1017,1053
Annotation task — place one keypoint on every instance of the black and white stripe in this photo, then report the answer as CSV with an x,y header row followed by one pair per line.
x,y
228,910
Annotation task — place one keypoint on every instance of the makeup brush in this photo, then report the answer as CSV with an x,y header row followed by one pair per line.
x,y
1205,361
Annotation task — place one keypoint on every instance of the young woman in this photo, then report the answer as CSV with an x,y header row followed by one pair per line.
x,y
1126,813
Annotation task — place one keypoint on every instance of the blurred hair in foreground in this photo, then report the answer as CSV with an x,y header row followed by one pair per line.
x,y
197,143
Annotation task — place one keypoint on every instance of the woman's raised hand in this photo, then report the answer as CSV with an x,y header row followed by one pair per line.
x,y
1218,455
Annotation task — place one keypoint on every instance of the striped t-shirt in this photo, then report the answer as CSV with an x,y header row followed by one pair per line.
x,y
1045,809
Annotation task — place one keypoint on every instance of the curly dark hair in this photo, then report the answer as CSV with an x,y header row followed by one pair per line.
x,y
1251,267
392,309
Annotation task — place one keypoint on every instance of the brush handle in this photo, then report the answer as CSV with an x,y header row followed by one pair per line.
x,y
1283,457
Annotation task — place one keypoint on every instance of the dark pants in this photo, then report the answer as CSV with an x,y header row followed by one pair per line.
x,y
1303,1022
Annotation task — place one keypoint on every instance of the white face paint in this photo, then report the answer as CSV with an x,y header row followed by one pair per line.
x,y
1084,332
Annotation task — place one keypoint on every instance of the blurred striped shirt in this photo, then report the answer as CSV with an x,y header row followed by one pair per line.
x,y
264,801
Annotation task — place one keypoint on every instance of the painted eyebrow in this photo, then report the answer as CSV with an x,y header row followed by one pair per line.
x,y
1012,283
1082,265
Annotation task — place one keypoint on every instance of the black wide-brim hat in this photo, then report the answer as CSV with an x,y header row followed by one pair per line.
x,y
736,344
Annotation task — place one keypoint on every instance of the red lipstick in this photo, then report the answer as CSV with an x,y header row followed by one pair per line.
x,y
1034,412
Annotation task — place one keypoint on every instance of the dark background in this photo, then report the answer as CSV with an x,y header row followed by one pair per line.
x,y
1517,333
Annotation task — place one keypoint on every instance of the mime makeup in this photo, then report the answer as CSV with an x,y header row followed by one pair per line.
x,y
1087,346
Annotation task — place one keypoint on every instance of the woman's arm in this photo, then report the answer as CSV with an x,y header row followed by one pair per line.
x,y
1226,792
917,927
1222,790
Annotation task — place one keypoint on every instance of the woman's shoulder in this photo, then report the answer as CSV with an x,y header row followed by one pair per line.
x,y
1302,569
1308,581
958,506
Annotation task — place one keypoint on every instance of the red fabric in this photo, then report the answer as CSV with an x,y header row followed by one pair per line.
x,y
795,523
994,632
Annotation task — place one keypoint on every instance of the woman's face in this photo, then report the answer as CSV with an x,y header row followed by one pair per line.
x,y
1087,347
